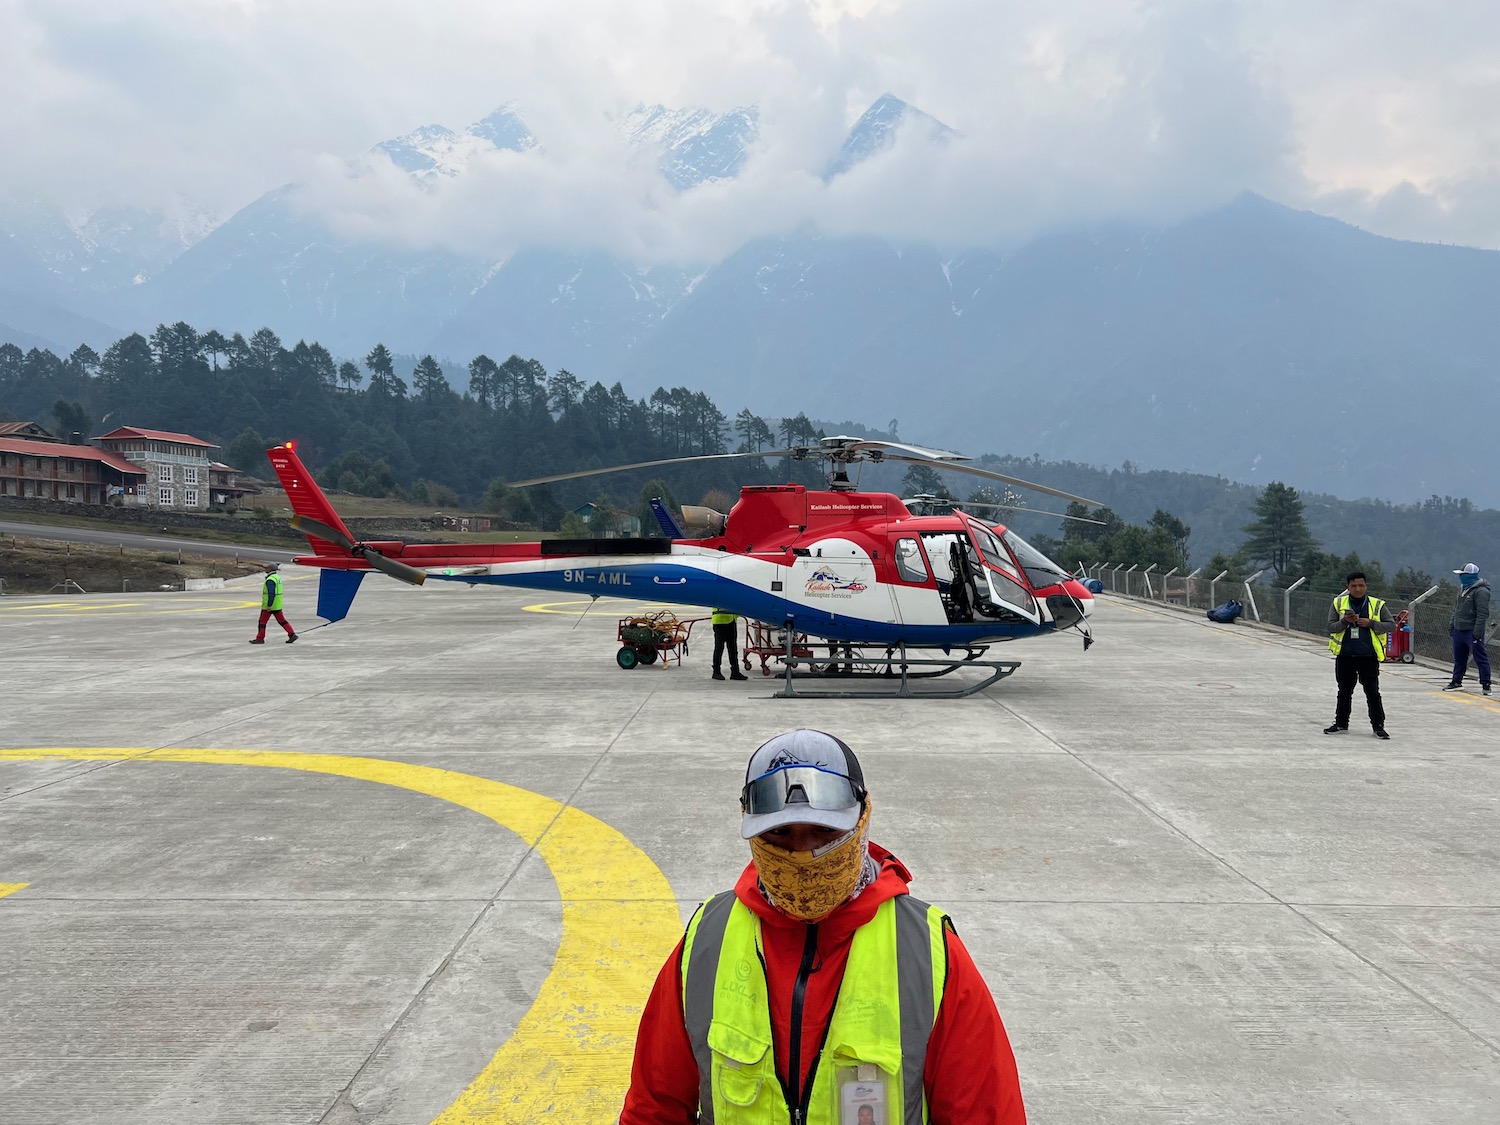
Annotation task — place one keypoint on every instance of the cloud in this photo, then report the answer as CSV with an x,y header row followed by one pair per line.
x,y
1069,111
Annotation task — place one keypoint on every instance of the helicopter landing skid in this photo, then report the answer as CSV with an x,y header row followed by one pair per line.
x,y
893,664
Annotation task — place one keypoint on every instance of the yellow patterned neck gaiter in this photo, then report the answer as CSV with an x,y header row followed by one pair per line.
x,y
811,885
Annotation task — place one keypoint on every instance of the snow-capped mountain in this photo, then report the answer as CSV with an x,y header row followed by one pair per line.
x,y
697,146
438,150
876,131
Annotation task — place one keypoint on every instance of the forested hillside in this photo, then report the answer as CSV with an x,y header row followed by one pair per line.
x,y
389,426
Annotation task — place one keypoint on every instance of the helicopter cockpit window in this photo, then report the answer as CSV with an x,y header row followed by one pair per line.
x,y
1007,591
909,561
1040,570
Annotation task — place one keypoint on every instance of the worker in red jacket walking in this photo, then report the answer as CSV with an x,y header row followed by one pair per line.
x,y
818,991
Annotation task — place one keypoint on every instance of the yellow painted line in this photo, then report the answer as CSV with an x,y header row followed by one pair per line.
x,y
1472,701
570,1055
12,888
615,607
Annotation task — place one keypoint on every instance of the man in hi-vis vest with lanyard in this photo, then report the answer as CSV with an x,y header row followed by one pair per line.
x,y
818,991
1357,624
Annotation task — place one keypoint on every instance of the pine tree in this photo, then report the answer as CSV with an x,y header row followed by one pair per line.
x,y
484,377
428,381
1279,536
384,383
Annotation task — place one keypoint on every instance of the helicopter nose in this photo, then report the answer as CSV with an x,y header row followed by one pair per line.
x,y
1081,593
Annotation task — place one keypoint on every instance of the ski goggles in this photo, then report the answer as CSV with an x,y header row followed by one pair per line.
x,y
807,785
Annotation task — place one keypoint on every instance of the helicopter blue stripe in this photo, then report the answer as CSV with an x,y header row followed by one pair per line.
x,y
686,585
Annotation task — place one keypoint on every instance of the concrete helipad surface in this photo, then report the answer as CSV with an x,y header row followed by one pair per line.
x,y
422,865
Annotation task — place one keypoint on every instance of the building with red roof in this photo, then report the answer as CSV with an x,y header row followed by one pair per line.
x,y
178,468
49,470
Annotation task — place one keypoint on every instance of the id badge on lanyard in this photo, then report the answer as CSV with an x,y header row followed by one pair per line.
x,y
864,1096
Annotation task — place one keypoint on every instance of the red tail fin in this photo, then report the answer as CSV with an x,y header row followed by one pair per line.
x,y
306,497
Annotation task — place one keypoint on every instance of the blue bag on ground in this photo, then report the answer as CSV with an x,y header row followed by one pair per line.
x,y
1227,612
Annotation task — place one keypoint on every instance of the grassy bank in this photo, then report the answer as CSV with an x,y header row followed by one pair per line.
x,y
37,566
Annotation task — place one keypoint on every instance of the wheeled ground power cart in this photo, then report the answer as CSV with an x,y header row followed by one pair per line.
x,y
646,638
1398,640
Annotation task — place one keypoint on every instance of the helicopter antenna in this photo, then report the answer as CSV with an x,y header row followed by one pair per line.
x,y
592,599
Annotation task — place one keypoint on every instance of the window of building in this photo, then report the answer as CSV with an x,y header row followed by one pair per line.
x,y
70,466
189,476
72,491
164,496
164,472
190,497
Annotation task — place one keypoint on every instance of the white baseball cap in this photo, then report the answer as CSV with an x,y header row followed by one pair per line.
x,y
802,777
1468,568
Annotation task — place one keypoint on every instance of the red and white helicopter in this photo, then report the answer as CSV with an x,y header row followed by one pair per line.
x,y
854,568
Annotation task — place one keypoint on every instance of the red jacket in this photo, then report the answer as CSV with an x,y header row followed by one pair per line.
x,y
970,1075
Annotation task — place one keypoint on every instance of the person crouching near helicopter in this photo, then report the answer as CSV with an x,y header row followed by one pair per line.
x,y
726,636
818,985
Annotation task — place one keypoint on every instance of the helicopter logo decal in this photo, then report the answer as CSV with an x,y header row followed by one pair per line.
x,y
825,581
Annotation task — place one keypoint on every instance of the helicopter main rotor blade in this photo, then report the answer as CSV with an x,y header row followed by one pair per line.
x,y
930,454
1017,481
1019,508
651,465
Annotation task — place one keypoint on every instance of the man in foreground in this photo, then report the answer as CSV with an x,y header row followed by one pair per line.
x,y
1357,624
818,991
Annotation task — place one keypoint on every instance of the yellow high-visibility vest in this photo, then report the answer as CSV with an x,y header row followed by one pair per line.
x,y
269,600
1341,605
887,1005
723,617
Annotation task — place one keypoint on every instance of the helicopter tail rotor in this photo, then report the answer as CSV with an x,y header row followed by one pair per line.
x,y
393,567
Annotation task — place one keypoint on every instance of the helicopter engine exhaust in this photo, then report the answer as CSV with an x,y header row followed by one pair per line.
x,y
695,517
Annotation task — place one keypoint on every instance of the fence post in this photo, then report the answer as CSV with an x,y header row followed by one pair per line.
x,y
1187,587
1128,573
1146,574
1164,578
1286,602
1213,587
1411,612
1250,594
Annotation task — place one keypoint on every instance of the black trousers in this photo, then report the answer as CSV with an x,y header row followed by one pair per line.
x,y
1365,671
727,636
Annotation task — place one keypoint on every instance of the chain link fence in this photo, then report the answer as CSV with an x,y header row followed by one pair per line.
x,y
1298,609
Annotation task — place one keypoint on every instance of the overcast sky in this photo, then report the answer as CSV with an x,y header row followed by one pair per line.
x,y
1381,112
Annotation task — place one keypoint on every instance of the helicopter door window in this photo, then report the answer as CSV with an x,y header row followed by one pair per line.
x,y
1007,593
910,564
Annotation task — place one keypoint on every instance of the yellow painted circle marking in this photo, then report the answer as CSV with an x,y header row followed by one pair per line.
x,y
614,607
571,1052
